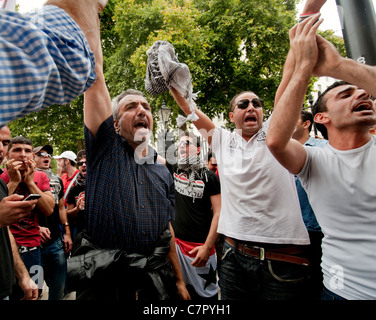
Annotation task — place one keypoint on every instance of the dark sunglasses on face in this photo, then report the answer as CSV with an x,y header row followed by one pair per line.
x,y
43,154
81,163
256,102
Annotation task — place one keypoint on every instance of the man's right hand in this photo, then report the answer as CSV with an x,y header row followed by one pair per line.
x,y
12,209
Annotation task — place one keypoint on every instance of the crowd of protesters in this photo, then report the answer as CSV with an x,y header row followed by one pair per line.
x,y
121,223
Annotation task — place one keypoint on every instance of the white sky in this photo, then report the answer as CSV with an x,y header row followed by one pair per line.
x,y
328,12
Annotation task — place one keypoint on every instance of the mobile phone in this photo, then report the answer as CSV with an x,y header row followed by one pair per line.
x,y
33,196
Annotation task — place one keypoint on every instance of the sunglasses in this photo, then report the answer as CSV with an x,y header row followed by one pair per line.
x,y
81,163
256,102
43,154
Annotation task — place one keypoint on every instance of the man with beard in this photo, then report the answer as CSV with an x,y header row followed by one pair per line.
x,y
67,167
76,198
55,243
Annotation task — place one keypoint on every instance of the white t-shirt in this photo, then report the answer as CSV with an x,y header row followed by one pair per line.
x,y
259,198
341,187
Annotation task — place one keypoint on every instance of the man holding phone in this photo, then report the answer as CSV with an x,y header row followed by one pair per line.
x,y
21,178
12,210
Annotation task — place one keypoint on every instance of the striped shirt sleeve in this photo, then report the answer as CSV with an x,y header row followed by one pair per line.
x,y
45,59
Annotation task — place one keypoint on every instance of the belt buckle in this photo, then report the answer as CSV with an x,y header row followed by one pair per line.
x,y
22,249
261,253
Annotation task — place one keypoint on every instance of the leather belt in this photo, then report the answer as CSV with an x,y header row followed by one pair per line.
x,y
279,254
23,249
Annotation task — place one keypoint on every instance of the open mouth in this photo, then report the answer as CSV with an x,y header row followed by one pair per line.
x,y
141,125
250,119
363,106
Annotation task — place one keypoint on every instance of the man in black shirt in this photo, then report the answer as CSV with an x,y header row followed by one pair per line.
x,y
197,206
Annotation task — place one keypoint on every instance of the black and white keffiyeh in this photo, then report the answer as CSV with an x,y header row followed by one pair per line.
x,y
193,166
164,71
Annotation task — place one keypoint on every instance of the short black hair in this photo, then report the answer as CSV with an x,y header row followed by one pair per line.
x,y
232,102
196,139
320,106
305,115
19,140
81,154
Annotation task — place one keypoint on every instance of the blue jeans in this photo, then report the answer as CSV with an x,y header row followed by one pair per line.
x,y
329,295
243,277
33,264
55,269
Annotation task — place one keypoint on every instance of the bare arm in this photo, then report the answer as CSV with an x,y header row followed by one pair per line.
x,y
97,102
203,252
312,6
203,124
172,256
27,285
290,153
332,64
67,234
288,71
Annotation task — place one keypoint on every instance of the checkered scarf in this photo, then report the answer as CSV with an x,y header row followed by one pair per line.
x,y
193,166
164,71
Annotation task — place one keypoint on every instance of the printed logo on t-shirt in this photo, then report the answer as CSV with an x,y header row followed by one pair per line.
x,y
196,190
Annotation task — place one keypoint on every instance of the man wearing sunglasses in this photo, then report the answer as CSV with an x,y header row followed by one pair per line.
x,y
54,229
197,206
265,237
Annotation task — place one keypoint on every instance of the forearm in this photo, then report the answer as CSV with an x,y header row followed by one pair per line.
x,y
287,111
312,6
12,186
172,256
19,266
358,74
72,212
64,217
213,235
288,71
203,124
46,202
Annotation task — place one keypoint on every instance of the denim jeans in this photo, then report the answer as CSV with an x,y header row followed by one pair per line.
x,y
55,269
33,264
329,295
243,277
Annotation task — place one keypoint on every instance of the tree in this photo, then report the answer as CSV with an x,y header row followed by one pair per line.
x,y
229,45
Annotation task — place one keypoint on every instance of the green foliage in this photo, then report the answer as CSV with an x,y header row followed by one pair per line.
x,y
229,45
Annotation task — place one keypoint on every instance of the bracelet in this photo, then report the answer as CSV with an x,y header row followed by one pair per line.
x,y
66,224
304,16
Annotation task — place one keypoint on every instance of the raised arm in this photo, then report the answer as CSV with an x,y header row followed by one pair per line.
x,y
290,153
332,64
203,124
97,100
313,6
